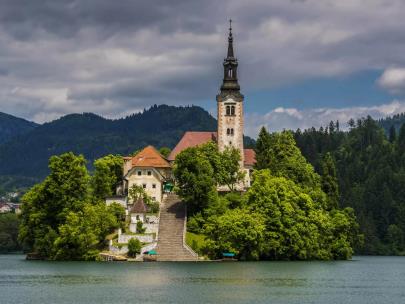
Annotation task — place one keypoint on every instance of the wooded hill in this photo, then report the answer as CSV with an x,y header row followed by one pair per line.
x,y
24,157
370,170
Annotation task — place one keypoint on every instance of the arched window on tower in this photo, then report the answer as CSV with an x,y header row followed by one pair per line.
x,y
230,73
228,110
228,131
232,110
232,131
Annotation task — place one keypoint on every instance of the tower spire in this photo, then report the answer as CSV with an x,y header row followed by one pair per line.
x,y
230,41
230,82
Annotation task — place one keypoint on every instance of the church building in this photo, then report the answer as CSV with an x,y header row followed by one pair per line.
x,y
151,170
230,118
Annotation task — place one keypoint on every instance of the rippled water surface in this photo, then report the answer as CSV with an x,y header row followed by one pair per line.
x,y
362,280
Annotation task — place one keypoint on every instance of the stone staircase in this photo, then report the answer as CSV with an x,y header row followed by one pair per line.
x,y
171,245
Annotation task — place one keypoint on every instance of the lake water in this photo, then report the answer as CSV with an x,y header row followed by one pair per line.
x,y
362,280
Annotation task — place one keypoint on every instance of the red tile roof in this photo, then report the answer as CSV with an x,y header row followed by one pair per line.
x,y
250,157
149,157
192,139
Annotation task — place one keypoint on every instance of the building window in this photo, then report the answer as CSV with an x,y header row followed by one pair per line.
x,y
154,186
228,110
139,173
232,131
232,110
144,186
230,73
228,131
149,172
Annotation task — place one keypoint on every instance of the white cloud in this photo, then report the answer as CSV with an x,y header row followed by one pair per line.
x,y
291,118
393,80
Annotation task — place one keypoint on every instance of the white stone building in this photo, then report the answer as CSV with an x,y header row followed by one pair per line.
x,y
148,169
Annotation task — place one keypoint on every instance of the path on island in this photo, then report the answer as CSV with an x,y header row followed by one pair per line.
x,y
171,229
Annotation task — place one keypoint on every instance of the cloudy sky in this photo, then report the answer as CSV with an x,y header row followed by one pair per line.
x,y
302,63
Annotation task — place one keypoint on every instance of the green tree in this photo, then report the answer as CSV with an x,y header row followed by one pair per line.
x,y
60,220
329,181
284,158
262,149
139,227
107,174
229,172
238,231
84,232
118,211
136,192
297,226
195,179
134,247
395,237
165,151
9,232
401,139
392,134
46,206
199,170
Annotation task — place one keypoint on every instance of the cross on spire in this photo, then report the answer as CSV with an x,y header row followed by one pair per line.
x,y
230,41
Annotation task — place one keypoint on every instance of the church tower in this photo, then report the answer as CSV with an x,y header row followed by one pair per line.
x,y
230,104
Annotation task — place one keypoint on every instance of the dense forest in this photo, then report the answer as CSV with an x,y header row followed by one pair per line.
x,y
370,166
395,121
11,127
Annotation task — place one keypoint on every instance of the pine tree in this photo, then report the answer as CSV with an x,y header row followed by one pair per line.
x,y
393,134
329,181
401,139
262,149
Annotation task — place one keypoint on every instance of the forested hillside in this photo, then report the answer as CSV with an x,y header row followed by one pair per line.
x,y
371,176
26,156
395,121
11,126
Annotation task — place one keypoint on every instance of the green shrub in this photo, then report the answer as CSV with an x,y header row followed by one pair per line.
x,y
134,247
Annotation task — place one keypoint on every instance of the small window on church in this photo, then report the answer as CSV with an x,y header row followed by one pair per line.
x,y
230,72
144,186
231,131
149,172
228,131
228,110
230,143
139,172
232,110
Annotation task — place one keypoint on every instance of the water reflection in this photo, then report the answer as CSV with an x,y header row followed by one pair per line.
x,y
273,282
369,280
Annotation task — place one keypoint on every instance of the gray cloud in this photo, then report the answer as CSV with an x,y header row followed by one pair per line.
x,y
115,57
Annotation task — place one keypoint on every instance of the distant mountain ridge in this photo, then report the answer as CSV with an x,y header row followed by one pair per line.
x,y
25,154
11,126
